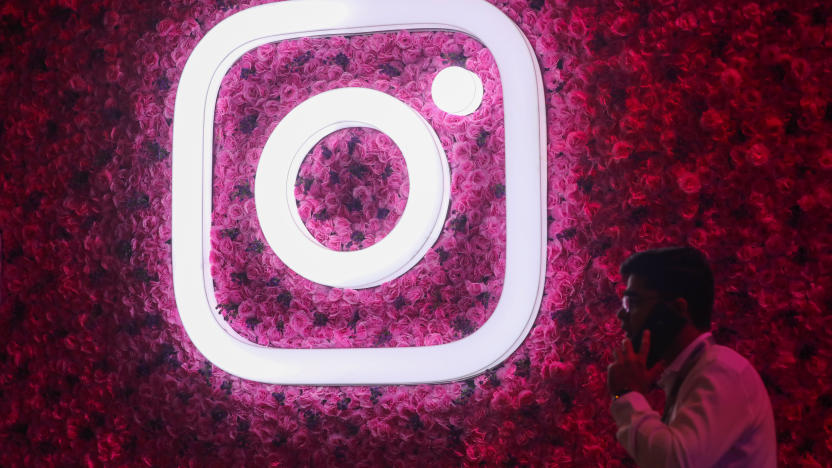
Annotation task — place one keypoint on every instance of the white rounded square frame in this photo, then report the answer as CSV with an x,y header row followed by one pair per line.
x,y
525,159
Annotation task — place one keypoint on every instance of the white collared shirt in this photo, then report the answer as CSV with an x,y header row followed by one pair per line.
x,y
722,416
671,372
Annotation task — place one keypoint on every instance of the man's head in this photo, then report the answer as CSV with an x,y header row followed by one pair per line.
x,y
671,285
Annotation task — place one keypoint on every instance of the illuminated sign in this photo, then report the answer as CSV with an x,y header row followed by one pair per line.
x,y
423,217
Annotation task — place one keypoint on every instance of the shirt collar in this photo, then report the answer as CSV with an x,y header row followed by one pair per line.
x,y
670,372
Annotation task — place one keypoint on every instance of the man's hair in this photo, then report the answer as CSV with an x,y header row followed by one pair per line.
x,y
677,272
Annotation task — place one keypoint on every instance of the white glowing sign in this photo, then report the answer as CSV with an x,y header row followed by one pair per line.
x,y
422,220
457,91
423,216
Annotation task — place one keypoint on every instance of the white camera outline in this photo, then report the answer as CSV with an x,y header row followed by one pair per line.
x,y
525,193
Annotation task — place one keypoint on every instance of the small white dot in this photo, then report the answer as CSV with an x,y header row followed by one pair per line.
x,y
457,91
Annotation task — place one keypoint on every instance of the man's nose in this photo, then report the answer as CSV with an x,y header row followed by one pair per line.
x,y
622,314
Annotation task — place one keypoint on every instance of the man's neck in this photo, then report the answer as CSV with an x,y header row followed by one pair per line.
x,y
686,337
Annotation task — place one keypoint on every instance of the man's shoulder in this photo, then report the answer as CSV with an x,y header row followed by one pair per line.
x,y
728,362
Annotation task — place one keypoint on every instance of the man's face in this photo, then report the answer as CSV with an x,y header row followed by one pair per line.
x,y
638,302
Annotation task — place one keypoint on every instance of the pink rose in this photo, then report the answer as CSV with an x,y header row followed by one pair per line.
x,y
758,154
624,23
824,197
622,150
800,68
713,120
825,159
689,182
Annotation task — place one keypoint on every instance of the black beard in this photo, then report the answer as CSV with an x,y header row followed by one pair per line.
x,y
658,345
662,337
664,325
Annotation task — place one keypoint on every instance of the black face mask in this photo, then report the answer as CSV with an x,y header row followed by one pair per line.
x,y
664,325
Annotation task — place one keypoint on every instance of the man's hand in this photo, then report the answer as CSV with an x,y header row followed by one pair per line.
x,y
629,369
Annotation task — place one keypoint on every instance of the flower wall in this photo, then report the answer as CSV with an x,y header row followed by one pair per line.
x,y
668,123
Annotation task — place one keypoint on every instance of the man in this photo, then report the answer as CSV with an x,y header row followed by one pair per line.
x,y
718,412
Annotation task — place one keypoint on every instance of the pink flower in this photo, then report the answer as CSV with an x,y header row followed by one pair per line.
x,y
689,182
621,150
624,24
713,120
758,154
825,159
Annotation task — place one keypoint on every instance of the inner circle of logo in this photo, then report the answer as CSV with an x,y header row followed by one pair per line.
x,y
420,222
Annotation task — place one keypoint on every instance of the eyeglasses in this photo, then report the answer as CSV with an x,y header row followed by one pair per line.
x,y
626,303
630,299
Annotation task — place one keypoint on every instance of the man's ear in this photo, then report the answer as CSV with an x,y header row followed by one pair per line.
x,y
680,306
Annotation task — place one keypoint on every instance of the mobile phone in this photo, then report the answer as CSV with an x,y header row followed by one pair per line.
x,y
664,324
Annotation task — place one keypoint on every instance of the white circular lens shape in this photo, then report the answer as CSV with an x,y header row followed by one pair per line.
x,y
424,213
457,91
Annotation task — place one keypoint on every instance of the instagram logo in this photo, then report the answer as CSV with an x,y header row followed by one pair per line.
x,y
455,91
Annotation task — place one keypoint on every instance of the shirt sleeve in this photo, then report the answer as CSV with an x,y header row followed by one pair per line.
x,y
711,415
